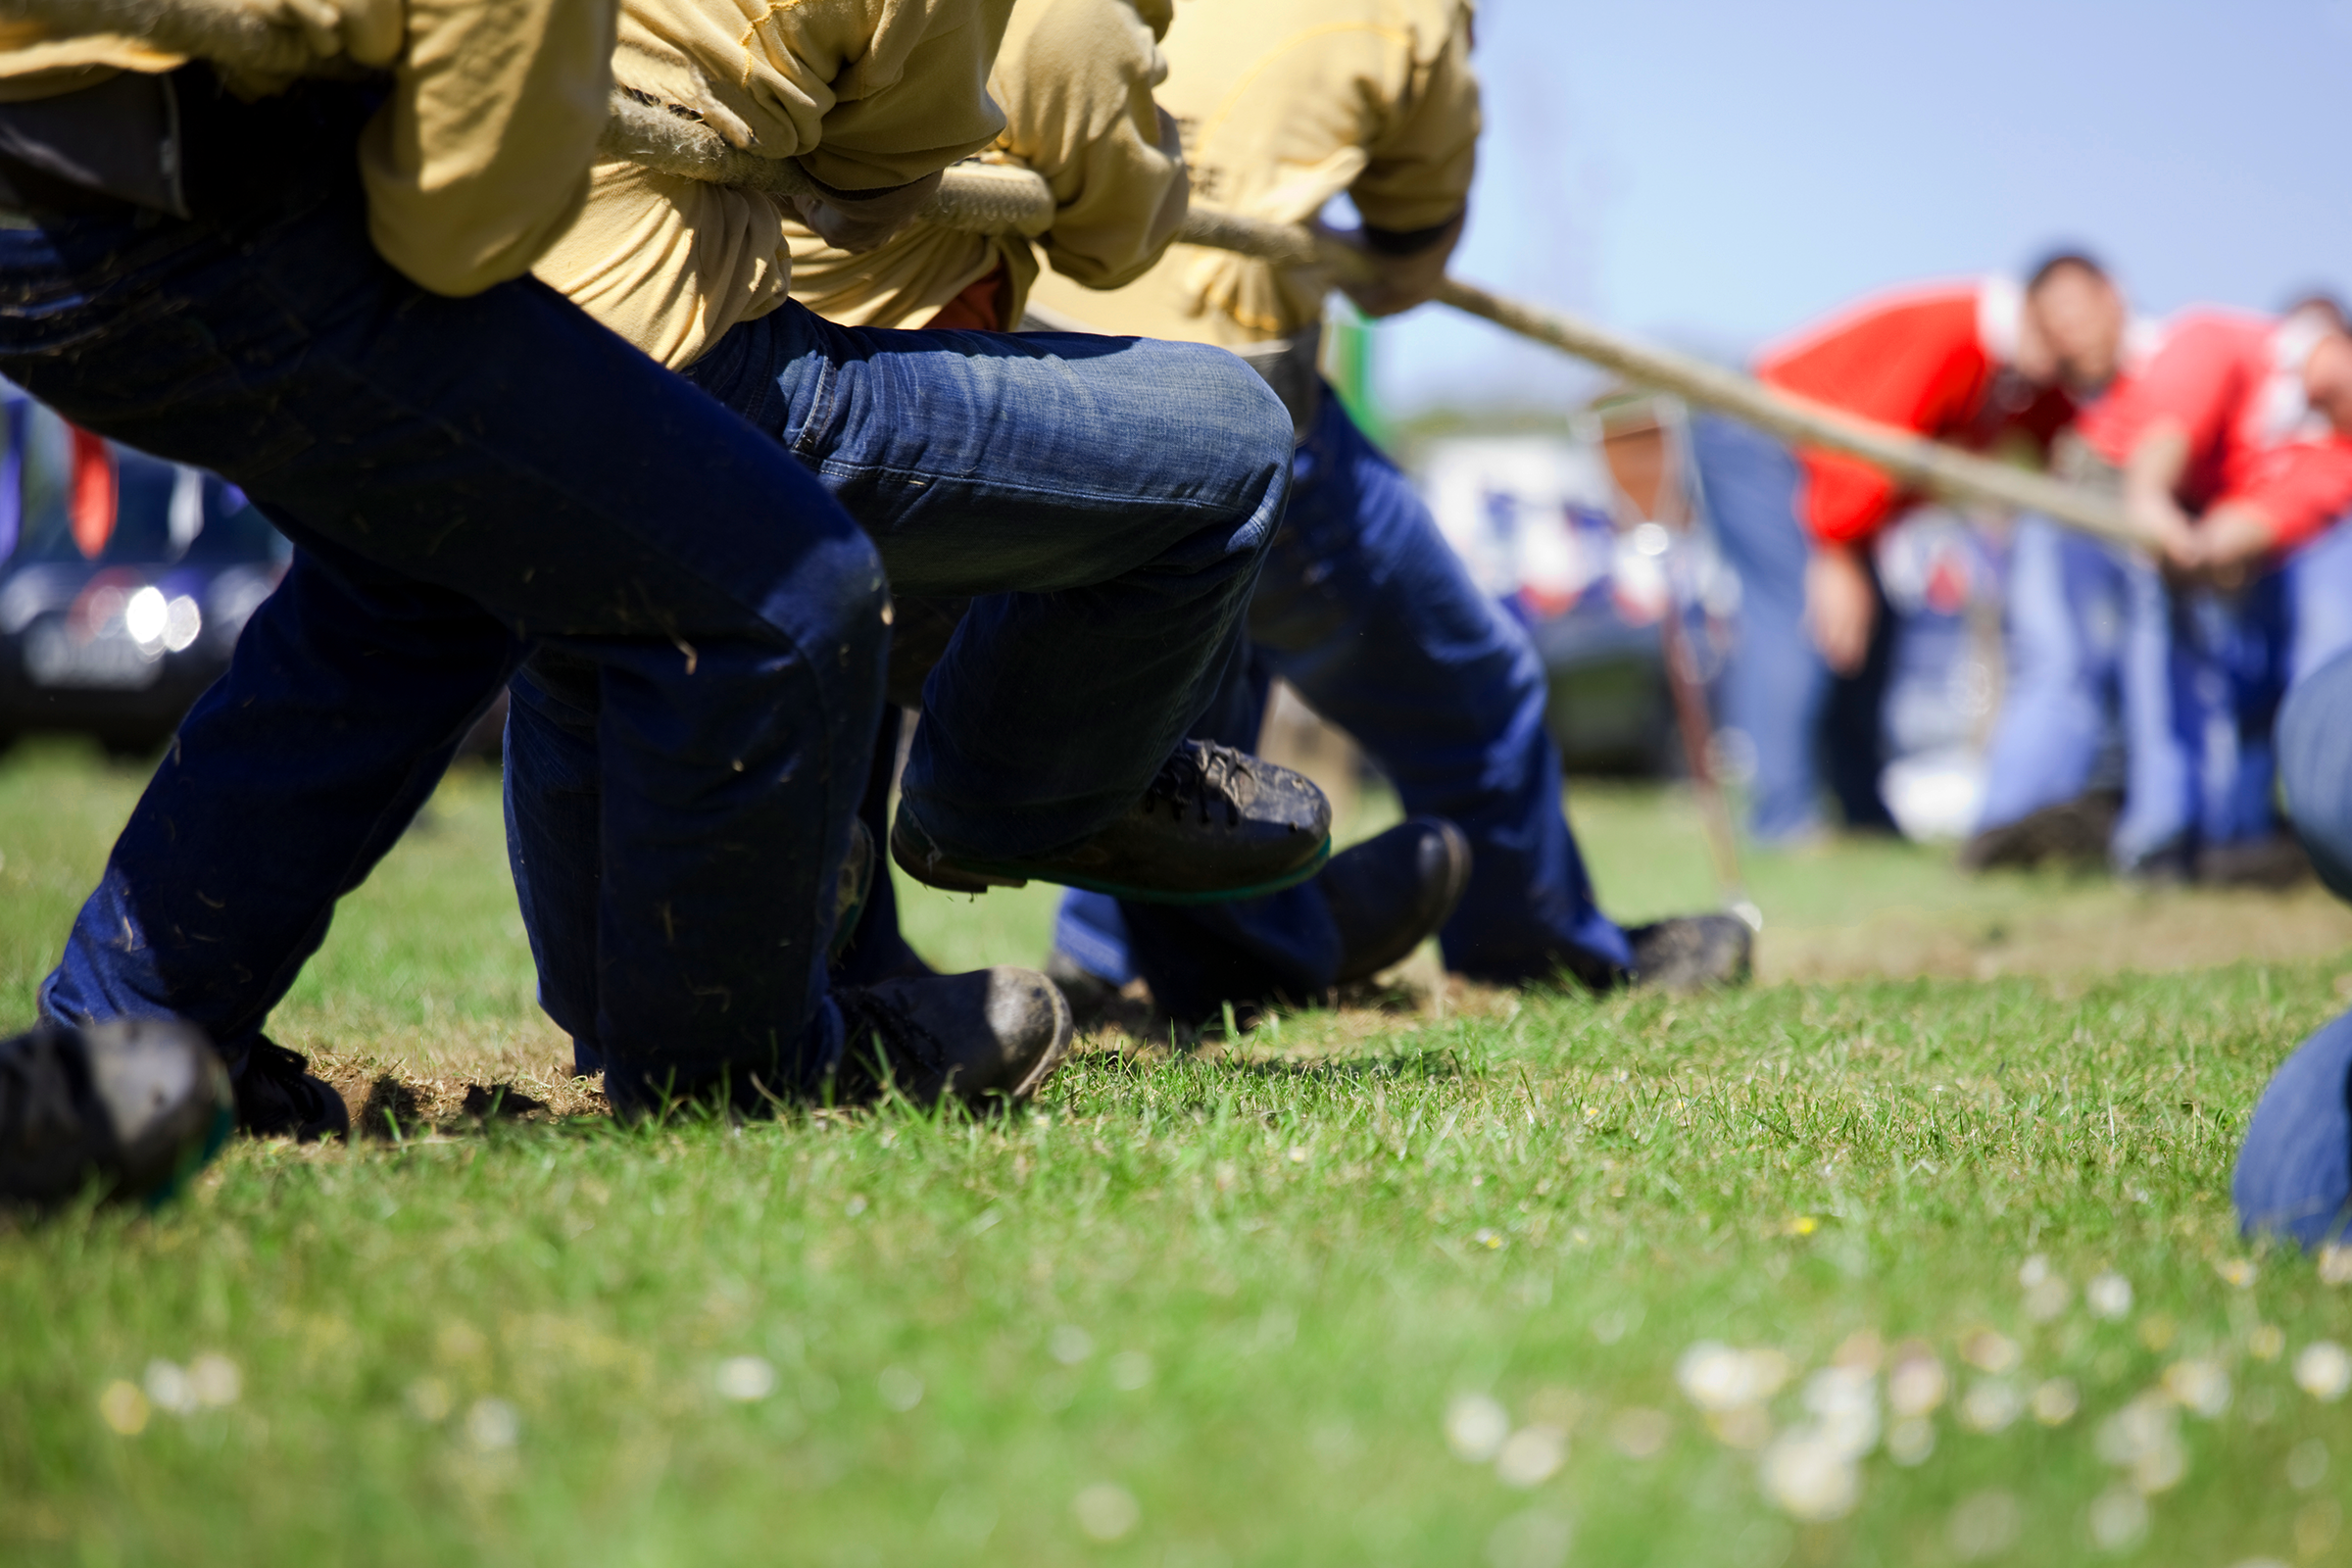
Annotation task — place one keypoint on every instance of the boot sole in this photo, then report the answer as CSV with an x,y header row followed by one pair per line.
x,y
1065,1033
978,877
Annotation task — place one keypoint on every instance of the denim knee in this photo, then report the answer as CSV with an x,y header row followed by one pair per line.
x,y
2315,766
2294,1171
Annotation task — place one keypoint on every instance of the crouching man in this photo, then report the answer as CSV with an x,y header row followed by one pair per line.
x,y
313,284
1362,608
1103,504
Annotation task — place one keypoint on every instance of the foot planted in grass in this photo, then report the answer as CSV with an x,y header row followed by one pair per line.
x,y
990,1038
1692,952
1215,824
131,1107
2073,833
277,1097
1390,894
1387,896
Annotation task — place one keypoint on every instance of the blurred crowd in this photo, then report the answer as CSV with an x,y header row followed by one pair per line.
x,y
2141,677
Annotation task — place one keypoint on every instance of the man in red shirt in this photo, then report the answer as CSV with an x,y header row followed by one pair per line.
x,y
2229,437
1982,363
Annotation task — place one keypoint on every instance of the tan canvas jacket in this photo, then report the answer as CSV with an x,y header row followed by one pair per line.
x,y
1284,104
478,159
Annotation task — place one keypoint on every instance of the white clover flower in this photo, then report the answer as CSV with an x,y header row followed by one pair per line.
x,y
2323,1370
1808,1479
2143,1439
2118,1518
167,1386
215,1381
1532,1455
744,1379
1916,1382
1991,1404
2107,1296
1990,1352
1106,1511
1910,1441
1844,1402
1717,1378
491,1426
2056,1401
2198,1387
1130,1370
1476,1427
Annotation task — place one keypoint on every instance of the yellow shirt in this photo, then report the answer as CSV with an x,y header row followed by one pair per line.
x,y
864,93
480,157
1075,79
1284,104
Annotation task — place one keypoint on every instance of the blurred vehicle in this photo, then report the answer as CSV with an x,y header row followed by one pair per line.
x,y
1589,536
124,581
1553,528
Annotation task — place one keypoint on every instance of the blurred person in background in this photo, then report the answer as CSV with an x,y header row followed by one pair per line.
x,y
2226,434
1970,363
1363,607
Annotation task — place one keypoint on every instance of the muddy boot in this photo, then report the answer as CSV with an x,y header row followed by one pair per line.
x,y
131,1107
990,1038
1215,824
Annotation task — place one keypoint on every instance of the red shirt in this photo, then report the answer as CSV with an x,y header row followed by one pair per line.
x,y
2235,383
1927,359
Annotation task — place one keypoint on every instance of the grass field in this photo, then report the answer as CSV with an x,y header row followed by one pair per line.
x,y
1917,1252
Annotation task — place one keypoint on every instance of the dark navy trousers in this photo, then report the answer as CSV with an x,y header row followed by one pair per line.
x,y
462,479
1368,613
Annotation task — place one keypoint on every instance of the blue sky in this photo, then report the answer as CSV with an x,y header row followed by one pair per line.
x,y
1716,172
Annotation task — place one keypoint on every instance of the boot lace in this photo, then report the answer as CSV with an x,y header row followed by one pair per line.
x,y
1200,777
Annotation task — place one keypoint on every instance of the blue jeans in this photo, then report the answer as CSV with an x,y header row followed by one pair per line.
x,y
1776,689
462,478
2294,1170
2090,633
1368,613
1104,504
2196,679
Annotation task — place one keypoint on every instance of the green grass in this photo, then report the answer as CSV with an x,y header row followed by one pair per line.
x,y
1238,1289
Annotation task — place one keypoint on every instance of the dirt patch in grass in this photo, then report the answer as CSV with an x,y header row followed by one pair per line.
x,y
2076,934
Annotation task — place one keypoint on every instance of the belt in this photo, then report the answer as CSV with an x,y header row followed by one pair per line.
x,y
115,145
177,143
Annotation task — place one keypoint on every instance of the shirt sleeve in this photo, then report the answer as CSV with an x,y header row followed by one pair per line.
x,y
1077,90
2197,377
2302,487
479,159
908,102
1421,163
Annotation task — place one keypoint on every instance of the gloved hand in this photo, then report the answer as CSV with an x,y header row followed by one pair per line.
x,y
1399,280
860,221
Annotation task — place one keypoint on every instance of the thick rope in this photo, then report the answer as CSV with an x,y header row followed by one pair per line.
x,y
993,198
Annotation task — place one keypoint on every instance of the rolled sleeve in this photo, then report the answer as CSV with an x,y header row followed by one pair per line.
x,y
1076,86
1421,164
480,158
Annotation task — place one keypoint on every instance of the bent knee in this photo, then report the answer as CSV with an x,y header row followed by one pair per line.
x,y
2294,1171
